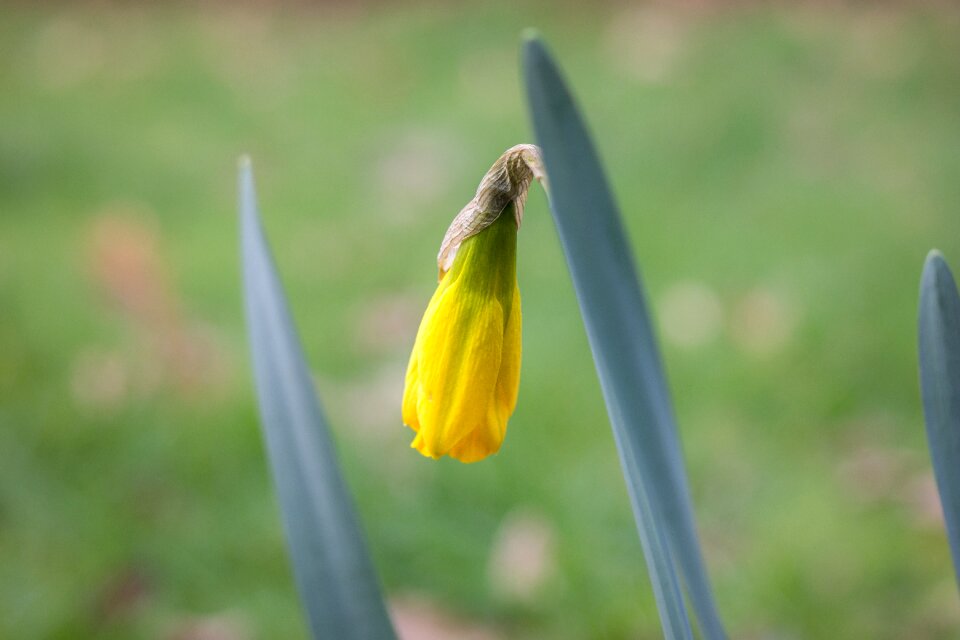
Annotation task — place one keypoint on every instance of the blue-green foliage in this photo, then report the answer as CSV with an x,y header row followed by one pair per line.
x,y
939,342
334,574
624,348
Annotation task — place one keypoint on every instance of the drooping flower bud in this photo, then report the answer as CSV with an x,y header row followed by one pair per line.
x,y
464,372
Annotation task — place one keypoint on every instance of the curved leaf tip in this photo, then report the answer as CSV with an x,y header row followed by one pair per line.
x,y
939,356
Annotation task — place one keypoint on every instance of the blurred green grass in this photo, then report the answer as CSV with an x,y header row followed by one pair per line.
x,y
782,172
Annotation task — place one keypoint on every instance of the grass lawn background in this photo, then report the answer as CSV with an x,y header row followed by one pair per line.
x,y
782,174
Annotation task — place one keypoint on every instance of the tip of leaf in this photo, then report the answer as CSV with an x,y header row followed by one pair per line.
x,y
935,267
935,256
248,196
534,48
245,170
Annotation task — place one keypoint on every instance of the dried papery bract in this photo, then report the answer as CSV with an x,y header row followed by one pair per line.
x,y
507,181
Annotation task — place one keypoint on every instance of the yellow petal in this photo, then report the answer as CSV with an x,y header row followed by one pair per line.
x,y
458,364
411,385
486,440
508,382
483,441
409,409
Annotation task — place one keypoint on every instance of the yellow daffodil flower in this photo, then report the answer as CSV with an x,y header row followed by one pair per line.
x,y
464,372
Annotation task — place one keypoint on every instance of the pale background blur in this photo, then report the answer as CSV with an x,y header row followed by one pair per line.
x,y
783,173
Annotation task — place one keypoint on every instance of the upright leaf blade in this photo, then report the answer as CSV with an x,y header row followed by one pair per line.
x,y
623,345
334,574
939,346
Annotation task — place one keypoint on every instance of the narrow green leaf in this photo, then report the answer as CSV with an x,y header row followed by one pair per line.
x,y
335,577
939,342
624,349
